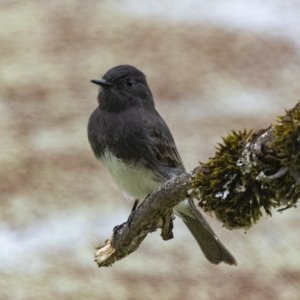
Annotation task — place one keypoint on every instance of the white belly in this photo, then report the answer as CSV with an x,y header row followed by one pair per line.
x,y
134,180
137,181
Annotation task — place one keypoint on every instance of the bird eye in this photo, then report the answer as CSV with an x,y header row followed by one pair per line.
x,y
130,82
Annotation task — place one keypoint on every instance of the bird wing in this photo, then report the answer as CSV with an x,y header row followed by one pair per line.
x,y
163,149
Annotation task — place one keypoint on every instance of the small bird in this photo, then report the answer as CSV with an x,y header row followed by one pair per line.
x,y
133,142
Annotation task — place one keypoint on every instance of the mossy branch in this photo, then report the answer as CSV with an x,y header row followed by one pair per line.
x,y
250,172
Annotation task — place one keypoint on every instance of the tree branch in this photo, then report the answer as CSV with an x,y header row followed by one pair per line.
x,y
250,171
128,236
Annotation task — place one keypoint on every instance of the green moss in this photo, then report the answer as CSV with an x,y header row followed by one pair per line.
x,y
237,186
287,137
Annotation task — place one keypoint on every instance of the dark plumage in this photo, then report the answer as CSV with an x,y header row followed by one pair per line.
x,y
131,139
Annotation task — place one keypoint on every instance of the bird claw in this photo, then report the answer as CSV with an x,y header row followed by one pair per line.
x,y
128,222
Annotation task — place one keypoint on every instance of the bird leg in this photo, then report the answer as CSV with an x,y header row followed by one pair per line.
x,y
134,207
167,226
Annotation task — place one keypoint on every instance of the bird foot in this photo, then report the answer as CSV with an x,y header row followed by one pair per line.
x,y
167,226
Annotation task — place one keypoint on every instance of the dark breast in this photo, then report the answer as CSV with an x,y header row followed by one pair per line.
x,y
135,135
116,132
95,133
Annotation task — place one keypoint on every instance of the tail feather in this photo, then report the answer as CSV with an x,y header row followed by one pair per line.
x,y
208,241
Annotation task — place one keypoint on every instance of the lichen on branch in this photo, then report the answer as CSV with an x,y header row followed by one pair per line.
x,y
252,171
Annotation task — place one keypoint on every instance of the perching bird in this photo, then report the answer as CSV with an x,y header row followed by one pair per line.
x,y
132,140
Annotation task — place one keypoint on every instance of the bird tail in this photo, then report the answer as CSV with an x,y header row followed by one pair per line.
x,y
208,241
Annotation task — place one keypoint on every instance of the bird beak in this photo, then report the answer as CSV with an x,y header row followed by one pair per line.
x,y
101,82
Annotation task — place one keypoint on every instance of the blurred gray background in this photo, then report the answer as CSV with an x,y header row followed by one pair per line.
x,y
213,66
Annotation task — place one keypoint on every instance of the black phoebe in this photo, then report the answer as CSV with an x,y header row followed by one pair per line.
x,y
132,140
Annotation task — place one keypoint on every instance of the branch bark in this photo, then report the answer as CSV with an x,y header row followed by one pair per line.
x,y
250,171
145,219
